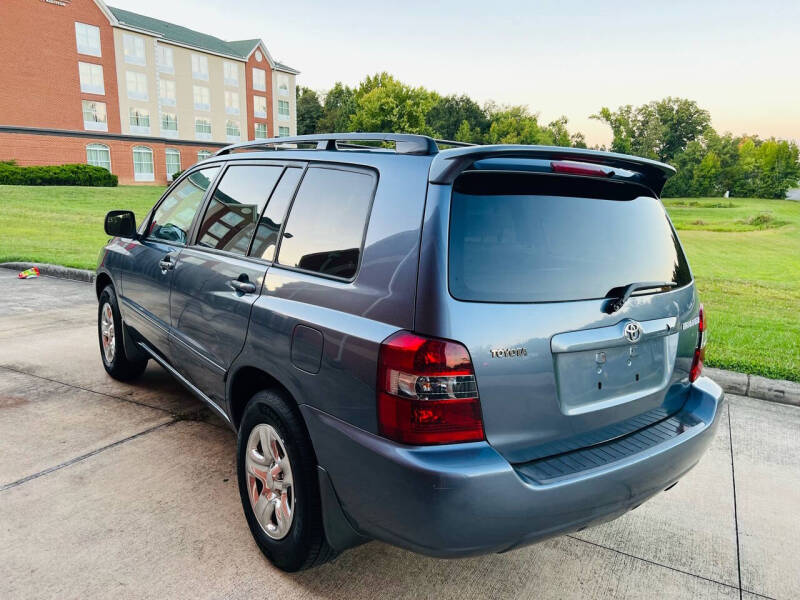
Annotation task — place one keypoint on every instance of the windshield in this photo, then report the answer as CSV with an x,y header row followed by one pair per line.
x,y
547,248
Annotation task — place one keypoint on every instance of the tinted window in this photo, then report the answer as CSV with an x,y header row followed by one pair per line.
x,y
174,215
326,223
270,223
232,213
542,248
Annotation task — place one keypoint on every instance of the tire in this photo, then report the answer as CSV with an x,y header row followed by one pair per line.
x,y
294,543
112,346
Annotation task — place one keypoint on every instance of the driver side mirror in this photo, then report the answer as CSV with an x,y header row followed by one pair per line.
x,y
121,223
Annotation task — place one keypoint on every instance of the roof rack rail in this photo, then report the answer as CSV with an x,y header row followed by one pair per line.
x,y
405,143
454,143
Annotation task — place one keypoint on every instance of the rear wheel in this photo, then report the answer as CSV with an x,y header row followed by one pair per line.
x,y
278,484
112,348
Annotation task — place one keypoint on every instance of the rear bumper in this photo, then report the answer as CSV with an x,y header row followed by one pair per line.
x,y
465,499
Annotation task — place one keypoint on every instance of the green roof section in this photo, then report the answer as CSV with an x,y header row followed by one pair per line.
x,y
244,47
173,32
182,35
283,67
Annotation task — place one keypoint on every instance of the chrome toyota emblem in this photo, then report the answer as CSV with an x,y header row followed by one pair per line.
x,y
632,332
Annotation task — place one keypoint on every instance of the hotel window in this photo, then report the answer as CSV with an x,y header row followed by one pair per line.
x,y
94,115
91,78
202,98
88,39
231,102
260,106
98,155
202,129
142,164
232,131
164,59
199,66
166,92
283,85
261,131
137,85
169,125
133,48
231,72
203,154
173,161
283,109
260,80
283,132
140,120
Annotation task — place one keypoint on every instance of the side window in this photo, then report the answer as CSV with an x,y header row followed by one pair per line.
x,y
173,217
270,223
325,227
232,214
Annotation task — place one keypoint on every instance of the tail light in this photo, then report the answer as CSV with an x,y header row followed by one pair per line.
x,y
700,350
427,393
571,167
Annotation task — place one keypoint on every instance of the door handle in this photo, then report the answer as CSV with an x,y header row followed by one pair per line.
x,y
166,263
243,287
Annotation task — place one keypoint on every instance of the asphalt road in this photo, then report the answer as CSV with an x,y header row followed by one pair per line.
x,y
118,490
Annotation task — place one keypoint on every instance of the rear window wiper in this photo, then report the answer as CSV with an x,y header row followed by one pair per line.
x,y
619,295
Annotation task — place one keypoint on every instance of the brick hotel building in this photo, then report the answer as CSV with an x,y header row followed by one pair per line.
x,y
83,82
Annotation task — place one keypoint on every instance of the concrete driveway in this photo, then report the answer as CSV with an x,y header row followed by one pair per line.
x,y
115,490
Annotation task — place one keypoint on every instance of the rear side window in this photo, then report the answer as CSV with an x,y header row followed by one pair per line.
x,y
174,216
232,213
325,227
524,246
270,223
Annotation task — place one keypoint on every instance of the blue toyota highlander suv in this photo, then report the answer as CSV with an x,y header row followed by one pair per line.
x,y
455,351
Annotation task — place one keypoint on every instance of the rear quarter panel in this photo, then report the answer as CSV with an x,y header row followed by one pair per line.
x,y
353,317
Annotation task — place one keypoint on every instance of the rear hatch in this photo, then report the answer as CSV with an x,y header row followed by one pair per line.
x,y
537,256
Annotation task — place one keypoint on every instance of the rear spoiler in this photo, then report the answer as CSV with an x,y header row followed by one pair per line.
x,y
449,164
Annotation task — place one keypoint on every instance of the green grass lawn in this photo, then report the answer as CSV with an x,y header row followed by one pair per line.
x,y
745,255
746,260
63,225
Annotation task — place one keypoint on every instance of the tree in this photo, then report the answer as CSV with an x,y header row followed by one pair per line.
x,y
309,111
514,125
705,181
659,130
622,127
681,184
449,113
778,168
681,122
577,140
339,106
385,104
380,102
556,134
465,133
746,166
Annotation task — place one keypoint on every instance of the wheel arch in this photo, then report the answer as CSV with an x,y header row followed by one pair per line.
x,y
244,382
101,281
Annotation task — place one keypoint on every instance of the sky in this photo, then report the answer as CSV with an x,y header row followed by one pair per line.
x,y
739,60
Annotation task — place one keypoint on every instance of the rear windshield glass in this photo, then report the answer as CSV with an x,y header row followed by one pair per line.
x,y
522,245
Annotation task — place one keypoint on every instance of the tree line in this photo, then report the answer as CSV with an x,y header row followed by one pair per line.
x,y
673,130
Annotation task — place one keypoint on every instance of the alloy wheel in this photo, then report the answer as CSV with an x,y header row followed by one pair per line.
x,y
270,486
107,333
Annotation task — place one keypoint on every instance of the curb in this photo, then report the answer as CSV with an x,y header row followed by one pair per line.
x,y
53,271
741,384
754,386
